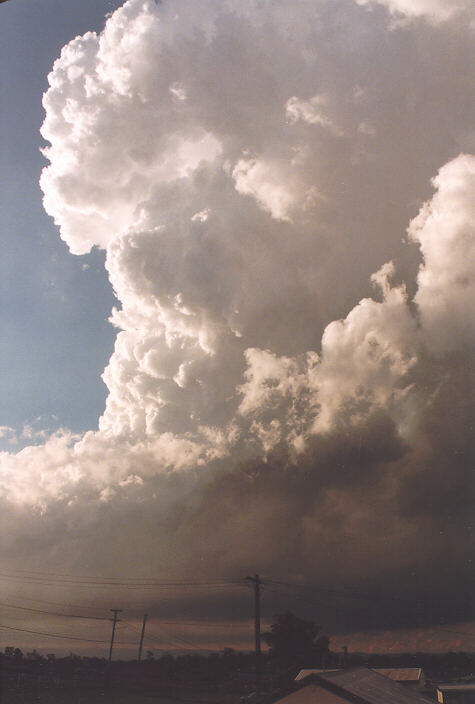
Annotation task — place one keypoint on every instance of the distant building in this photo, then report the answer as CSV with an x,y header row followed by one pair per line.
x,y
357,685
456,693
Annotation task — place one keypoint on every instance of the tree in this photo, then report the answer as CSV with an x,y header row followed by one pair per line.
x,y
295,642
34,655
12,652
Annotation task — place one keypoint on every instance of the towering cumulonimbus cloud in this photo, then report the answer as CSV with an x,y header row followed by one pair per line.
x,y
445,281
248,168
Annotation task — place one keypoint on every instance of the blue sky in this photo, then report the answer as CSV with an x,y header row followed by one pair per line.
x,y
55,338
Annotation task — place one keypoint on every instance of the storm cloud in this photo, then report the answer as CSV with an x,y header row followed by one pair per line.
x,y
284,192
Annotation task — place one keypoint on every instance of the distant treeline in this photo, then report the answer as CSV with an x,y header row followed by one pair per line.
x,y
227,665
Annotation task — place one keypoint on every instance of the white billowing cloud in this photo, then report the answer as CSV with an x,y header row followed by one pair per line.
x,y
69,467
242,220
444,230
366,357
364,363
38,474
269,377
280,396
98,95
311,111
201,216
270,184
433,10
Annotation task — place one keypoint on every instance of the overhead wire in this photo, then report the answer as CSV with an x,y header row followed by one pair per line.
x,y
82,576
62,603
53,613
149,583
52,635
347,593
28,575
213,624
460,633
137,586
205,624
300,597
150,635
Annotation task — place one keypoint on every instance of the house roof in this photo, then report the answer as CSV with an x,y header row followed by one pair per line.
x,y
372,687
400,674
313,671
462,687
314,693
357,685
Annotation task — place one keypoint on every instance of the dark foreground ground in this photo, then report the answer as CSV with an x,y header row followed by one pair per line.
x,y
87,697
72,680
218,678
112,697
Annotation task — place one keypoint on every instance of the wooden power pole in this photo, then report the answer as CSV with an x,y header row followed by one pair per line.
x,y
257,629
114,621
141,638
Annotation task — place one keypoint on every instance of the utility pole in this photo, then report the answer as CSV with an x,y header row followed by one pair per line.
x,y
141,638
114,621
257,628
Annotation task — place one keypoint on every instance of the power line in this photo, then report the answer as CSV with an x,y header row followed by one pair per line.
x,y
380,601
53,613
383,600
128,581
151,636
316,603
178,640
288,595
62,603
201,624
277,587
460,633
216,624
52,635
175,637
156,586
326,590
